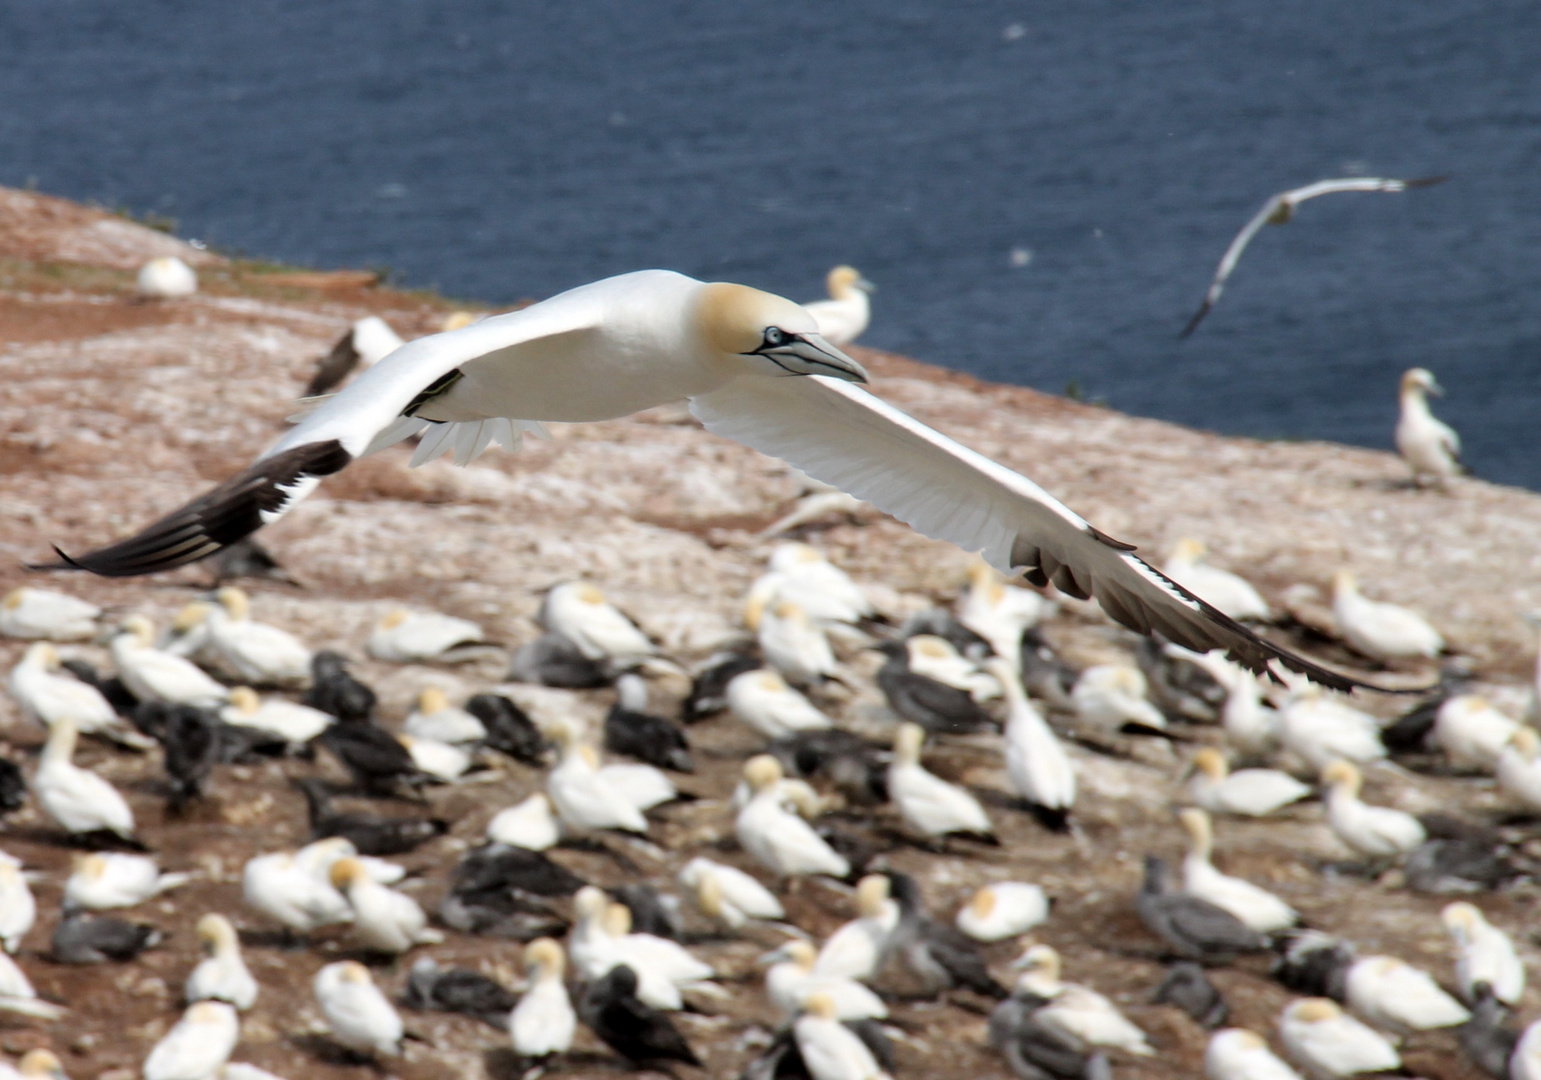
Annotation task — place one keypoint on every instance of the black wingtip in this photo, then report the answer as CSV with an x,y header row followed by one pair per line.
x,y
1193,324
1425,181
64,563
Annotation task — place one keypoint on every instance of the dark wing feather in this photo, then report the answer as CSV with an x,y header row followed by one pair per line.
x,y
334,366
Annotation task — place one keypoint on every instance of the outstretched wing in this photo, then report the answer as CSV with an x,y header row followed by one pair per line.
x,y
839,433
1229,260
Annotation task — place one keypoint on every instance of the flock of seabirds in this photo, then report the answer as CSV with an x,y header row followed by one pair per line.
x,y
220,686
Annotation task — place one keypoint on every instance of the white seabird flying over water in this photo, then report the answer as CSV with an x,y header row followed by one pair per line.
x,y
754,368
1278,210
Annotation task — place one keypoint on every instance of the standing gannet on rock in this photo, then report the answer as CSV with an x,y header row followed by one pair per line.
x,y
18,907
197,1046
107,879
440,760
792,642
1258,908
77,799
1231,593
582,799
859,948
739,896
383,919
843,317
408,637
1375,831
1519,768
1430,447
361,1018
1245,793
1002,910
929,804
1378,630
1399,998
762,699
794,979
30,614
435,718
1485,954
1078,1011
779,840
1036,763
221,975
543,1022
580,613
1472,733
1239,1054
47,696
1319,730
756,370
1250,726
934,657
166,278
256,653
365,344
998,612
1111,697
287,891
829,1049
153,675
1328,1043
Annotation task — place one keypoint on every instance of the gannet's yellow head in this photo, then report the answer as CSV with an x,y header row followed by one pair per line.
x,y
208,1012
761,771
590,904
190,616
1247,1040
1040,960
1344,581
235,602
907,742
215,932
821,1005
787,611
1313,1010
617,920
801,953
141,629
1211,763
754,607
41,1065
1461,919
1421,381
588,594
709,895
1342,774
244,700
930,647
792,557
457,320
774,335
432,700
1196,824
982,903
1188,550
1526,743
394,618
42,655
89,866
14,598
351,971
545,957
871,894
842,279
345,872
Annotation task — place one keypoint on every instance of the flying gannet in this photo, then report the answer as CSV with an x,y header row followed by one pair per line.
x,y
754,368
1278,210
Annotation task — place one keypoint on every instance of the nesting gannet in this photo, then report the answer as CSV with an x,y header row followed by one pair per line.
x,y
1278,210
843,317
709,684
166,278
1194,927
668,958
1258,908
1320,730
197,1046
288,892
790,982
1471,732
937,658
406,637
18,907
254,652
531,824
361,1018
29,613
1035,1050
378,762
631,342
1078,1011
739,896
596,947
1484,954
781,841
509,728
109,879
336,692
829,1049
626,1023
583,800
1250,726
1377,831
1002,910
18,996
1246,792
1429,446
939,955
440,760
221,975
77,799
383,919
153,675
801,574
922,700
1239,1054
1399,998
631,730
366,343
1036,763
1110,697
792,642
1519,768
581,614
929,804
858,949
1231,593
762,699
47,696
435,718
1186,987
1327,1043
291,722
80,938
543,1022
458,990
1379,630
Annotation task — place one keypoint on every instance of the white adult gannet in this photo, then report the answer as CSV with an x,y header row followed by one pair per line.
x,y
1036,763
580,613
998,612
1239,1054
793,643
1484,953
368,341
858,949
599,942
844,316
582,799
18,907
29,613
288,892
1378,630
804,575
1002,910
781,841
18,996
1376,831
383,919
1250,726
1429,446
154,675
435,718
543,1022
739,896
929,804
669,958
77,799
1246,792
763,700
1398,997
221,975
614,347
47,696
829,1049
319,856
1472,732
1231,593
1328,1043
407,637
792,979
937,658
531,824
1278,210
1519,768
109,879
1525,1062
254,652
1319,730
1078,1011
166,278
360,1016
197,1046
442,760
1260,909
1108,696
289,720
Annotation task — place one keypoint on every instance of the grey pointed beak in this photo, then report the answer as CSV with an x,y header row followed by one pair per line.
x,y
864,285
810,354
1436,389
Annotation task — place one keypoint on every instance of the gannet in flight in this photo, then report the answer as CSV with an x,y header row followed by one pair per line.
x,y
1277,211
754,368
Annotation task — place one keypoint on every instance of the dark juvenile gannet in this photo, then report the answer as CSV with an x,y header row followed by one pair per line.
x,y
509,728
754,369
458,990
1278,210
631,730
1189,989
334,691
629,1026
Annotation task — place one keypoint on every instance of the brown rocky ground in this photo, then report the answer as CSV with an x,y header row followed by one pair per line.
x,y
112,411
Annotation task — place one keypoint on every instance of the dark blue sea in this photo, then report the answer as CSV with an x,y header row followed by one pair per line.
x,y
1040,190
